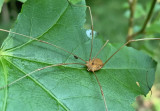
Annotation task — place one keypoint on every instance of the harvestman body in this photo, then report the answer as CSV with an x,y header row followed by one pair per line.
x,y
92,65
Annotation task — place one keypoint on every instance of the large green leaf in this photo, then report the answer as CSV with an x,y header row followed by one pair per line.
x,y
69,87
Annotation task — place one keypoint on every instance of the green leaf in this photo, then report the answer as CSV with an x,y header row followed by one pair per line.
x,y
154,28
70,87
1,4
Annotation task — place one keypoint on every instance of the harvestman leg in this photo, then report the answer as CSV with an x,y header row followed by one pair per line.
x,y
39,69
90,12
29,37
92,49
136,40
42,67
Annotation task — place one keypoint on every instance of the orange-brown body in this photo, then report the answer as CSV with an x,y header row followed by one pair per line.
x,y
94,64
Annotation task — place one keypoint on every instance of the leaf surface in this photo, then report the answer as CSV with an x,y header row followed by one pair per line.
x,y
69,87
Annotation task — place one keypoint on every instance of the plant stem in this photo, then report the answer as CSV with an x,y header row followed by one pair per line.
x,y
132,4
130,37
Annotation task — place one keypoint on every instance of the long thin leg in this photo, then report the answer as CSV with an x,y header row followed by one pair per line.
x,y
102,48
90,12
42,42
97,53
36,71
136,40
92,30
101,91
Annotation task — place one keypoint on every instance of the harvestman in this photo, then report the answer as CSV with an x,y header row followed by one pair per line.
x,y
93,64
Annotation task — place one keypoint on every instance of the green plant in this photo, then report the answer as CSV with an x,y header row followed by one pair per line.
x,y
69,87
